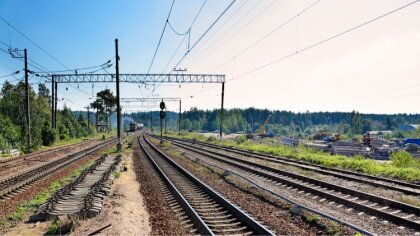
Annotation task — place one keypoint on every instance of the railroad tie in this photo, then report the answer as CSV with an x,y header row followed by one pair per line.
x,y
83,196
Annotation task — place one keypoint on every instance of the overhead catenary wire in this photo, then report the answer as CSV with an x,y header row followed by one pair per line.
x,y
201,37
30,40
314,44
179,46
189,30
205,32
77,69
261,39
324,40
161,36
227,20
32,62
240,20
11,74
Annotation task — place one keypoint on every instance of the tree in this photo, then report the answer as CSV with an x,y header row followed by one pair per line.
x,y
105,103
388,123
355,122
43,91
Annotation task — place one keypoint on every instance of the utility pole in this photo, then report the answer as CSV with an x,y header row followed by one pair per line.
x,y
28,115
88,115
55,106
161,130
151,122
221,111
179,118
165,120
52,100
117,76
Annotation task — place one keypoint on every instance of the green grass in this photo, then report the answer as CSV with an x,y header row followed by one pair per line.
x,y
54,228
116,174
403,166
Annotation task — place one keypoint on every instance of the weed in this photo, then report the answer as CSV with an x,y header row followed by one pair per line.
x,y
116,174
54,228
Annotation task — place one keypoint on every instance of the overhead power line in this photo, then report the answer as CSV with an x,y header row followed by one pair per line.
x,y
30,40
312,45
11,74
107,63
189,30
268,34
205,33
161,36
179,46
324,40
240,20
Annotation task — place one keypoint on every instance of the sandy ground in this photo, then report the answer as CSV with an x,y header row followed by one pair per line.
x,y
124,209
28,229
225,136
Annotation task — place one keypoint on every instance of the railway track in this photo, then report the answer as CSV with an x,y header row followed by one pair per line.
x,y
385,183
4,163
194,202
15,184
377,206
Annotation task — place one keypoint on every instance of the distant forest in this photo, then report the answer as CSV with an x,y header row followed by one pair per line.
x,y
281,122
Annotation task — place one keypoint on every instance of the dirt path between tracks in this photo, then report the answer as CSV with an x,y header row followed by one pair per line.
x,y
124,209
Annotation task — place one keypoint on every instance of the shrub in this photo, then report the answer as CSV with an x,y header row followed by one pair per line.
x,y
63,136
211,139
48,135
402,159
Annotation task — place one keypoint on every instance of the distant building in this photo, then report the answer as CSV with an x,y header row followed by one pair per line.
x,y
380,134
409,127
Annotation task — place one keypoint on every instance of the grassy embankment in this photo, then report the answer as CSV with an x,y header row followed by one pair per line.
x,y
402,166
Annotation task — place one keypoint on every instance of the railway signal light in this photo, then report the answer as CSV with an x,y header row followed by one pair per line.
x,y
162,115
162,105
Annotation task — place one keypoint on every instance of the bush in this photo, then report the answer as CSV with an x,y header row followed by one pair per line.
x,y
241,139
211,139
63,136
402,159
48,135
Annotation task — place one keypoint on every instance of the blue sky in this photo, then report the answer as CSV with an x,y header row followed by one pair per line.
x,y
373,69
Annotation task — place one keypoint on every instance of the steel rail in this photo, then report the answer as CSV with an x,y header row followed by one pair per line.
x,y
243,217
16,182
288,200
188,209
40,153
308,165
321,188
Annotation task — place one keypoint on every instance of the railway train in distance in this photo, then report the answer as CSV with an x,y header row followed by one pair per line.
x,y
135,126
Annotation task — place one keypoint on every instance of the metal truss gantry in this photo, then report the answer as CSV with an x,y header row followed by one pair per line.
x,y
131,78
155,100
137,78
140,78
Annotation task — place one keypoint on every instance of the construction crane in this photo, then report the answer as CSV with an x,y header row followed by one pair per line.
x,y
261,131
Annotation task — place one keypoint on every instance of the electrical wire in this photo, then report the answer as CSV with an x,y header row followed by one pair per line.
x,y
77,69
30,40
324,40
208,39
11,68
161,36
205,33
179,46
240,20
14,73
267,35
